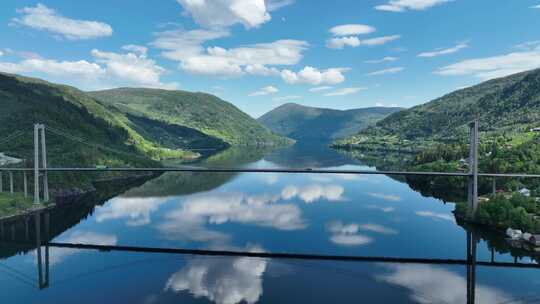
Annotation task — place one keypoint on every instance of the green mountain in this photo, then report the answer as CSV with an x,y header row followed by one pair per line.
x,y
26,101
508,106
199,111
304,123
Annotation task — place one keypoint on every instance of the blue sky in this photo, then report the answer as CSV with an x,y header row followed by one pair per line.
x,y
259,54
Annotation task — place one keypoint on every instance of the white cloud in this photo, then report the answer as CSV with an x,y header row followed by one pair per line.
x,y
78,69
345,91
137,49
315,192
346,234
341,42
378,229
137,211
386,71
353,41
346,35
403,5
379,40
536,6
440,52
179,44
132,68
351,30
43,18
221,280
431,284
187,47
261,70
386,197
108,70
438,216
493,67
265,91
314,76
384,59
318,89
287,98
529,46
225,13
380,208
1,53
273,5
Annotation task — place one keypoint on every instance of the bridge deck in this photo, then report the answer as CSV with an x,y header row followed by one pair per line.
x,y
275,170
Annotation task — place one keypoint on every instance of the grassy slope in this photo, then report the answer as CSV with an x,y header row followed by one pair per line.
x,y
506,105
11,204
203,112
310,123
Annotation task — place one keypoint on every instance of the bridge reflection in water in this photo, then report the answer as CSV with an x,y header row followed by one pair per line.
x,y
33,233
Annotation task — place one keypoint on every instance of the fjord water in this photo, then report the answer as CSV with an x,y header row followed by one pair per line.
x,y
362,215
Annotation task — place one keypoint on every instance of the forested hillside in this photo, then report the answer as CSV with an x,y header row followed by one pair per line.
x,y
199,111
304,123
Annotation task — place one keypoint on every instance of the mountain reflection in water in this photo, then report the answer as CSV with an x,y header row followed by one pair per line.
x,y
364,216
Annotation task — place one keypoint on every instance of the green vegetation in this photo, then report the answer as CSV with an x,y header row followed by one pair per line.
x,y
11,204
304,123
108,133
27,101
516,211
506,106
199,111
436,135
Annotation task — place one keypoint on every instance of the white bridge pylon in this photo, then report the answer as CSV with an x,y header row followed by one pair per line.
x,y
39,132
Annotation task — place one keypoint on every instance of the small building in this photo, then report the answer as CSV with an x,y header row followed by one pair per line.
x,y
514,234
525,192
483,199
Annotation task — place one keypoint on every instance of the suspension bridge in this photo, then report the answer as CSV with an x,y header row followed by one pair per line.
x,y
42,243
41,169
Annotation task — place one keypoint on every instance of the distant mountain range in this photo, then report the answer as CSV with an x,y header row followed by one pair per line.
x,y
303,123
507,106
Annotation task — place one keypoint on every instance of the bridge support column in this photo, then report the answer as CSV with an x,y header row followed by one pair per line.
x,y
471,267
44,159
25,184
473,169
36,164
10,182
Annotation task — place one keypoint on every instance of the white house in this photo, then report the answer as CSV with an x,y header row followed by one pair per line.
x,y
525,192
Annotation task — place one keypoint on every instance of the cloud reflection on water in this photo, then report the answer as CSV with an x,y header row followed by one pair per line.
x,y
221,280
430,284
136,210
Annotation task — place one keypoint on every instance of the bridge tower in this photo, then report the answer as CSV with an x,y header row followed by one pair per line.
x,y
473,168
39,133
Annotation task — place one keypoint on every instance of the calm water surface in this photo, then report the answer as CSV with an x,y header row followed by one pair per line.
x,y
304,213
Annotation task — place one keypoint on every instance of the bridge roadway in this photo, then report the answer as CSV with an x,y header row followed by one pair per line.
x,y
273,170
